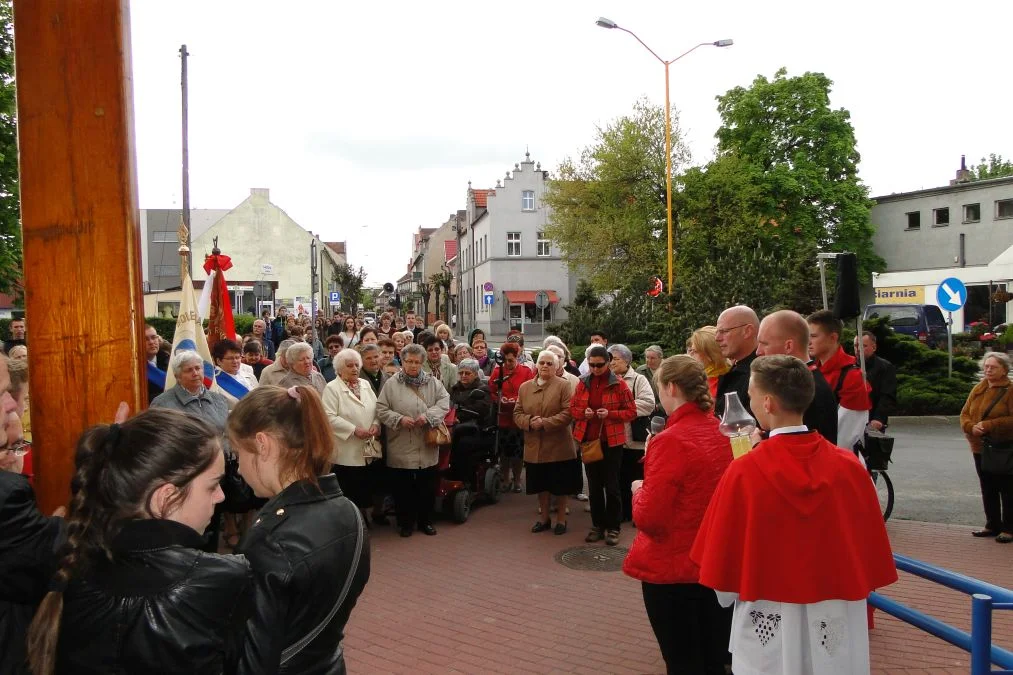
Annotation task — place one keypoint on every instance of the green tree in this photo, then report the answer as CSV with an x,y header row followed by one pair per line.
x,y
349,282
994,166
805,162
424,293
10,210
608,206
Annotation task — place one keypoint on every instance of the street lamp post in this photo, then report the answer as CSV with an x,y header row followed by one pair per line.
x,y
608,23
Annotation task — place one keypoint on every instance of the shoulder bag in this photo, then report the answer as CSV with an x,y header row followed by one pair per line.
x,y
438,435
371,450
299,645
591,452
996,456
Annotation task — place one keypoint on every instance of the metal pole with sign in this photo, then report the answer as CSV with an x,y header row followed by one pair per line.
x,y
541,302
951,296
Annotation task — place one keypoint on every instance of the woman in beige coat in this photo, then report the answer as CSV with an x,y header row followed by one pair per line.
x,y
351,410
409,403
550,457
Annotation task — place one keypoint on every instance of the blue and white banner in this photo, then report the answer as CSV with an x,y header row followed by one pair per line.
x,y
190,335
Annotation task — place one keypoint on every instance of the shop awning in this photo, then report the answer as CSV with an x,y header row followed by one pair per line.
x,y
528,297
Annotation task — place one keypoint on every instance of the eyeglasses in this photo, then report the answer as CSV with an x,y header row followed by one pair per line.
x,y
18,448
725,331
596,365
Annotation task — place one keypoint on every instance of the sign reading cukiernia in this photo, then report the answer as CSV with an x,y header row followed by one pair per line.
x,y
900,295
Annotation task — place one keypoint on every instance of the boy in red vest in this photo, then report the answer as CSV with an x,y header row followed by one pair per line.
x,y
794,538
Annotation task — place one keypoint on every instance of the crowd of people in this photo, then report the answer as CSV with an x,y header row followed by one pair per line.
x,y
240,494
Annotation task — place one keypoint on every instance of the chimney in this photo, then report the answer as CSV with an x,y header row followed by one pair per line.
x,y
963,175
261,192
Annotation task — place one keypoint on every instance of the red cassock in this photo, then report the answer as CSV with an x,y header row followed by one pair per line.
x,y
796,520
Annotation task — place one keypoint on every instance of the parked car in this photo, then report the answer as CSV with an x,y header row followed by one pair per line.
x,y
924,322
369,318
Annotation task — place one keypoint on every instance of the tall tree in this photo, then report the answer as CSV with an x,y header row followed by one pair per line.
x,y
608,206
10,210
349,282
425,292
807,160
994,166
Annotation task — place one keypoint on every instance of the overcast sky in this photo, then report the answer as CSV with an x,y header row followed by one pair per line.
x,y
367,120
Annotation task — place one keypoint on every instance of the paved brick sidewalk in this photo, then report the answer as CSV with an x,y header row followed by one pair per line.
x,y
489,597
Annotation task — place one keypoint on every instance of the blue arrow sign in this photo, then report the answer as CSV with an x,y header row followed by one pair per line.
x,y
488,299
951,294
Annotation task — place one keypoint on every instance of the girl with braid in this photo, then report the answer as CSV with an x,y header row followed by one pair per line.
x,y
134,592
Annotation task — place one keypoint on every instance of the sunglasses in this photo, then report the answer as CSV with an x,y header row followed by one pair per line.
x,y
596,365
18,448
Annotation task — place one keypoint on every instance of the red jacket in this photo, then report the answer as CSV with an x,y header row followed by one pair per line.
x,y
511,390
681,471
854,393
617,397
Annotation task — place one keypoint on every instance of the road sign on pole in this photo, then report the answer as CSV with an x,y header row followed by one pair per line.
x,y
335,297
541,299
951,294
488,299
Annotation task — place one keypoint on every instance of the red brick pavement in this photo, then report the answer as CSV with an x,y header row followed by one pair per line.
x,y
488,597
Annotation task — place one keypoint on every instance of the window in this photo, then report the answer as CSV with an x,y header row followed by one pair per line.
x,y
513,244
164,237
1004,208
940,217
972,213
543,245
914,220
528,200
166,270
485,246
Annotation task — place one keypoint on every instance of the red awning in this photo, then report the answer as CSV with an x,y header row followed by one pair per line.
x,y
528,297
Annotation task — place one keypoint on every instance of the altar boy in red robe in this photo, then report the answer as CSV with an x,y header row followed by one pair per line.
x,y
794,538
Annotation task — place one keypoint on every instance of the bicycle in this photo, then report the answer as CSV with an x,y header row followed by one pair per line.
x,y
877,449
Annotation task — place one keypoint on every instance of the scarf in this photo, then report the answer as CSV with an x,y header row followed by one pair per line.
x,y
354,388
717,370
436,368
420,380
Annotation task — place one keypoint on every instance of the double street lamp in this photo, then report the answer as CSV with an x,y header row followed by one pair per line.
x,y
608,23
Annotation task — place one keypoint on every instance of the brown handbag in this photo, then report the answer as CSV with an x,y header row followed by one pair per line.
x,y
590,451
438,435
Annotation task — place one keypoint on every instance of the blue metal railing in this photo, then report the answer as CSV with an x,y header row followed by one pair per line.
x,y
985,598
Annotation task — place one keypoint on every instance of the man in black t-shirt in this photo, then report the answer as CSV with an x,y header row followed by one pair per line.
x,y
736,332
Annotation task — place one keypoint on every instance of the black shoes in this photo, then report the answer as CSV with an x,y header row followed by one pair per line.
x,y
406,531
560,528
541,526
428,530
984,533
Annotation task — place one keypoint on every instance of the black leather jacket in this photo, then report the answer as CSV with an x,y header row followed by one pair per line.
x,y
302,546
160,606
28,543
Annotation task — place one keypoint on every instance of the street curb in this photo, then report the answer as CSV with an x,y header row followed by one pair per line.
x,y
924,420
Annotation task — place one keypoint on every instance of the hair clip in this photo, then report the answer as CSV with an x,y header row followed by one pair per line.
x,y
294,393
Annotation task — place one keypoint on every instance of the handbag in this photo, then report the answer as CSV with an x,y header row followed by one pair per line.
x,y
300,644
371,450
996,456
591,452
451,418
438,435
239,497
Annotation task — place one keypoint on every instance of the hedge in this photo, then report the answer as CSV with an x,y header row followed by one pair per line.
x,y
167,327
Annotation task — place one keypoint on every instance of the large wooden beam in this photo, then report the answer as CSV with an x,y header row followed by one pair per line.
x,y
80,218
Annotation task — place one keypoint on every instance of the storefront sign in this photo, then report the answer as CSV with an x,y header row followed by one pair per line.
x,y
900,295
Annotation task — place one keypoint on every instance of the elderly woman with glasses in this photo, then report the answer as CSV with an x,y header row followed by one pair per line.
x,y
410,403
300,362
471,399
601,408
632,468
233,378
550,457
350,405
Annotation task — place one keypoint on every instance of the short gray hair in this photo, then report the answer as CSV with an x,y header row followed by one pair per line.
x,y
549,352
182,358
367,348
655,349
469,364
413,350
283,347
1002,358
342,358
552,340
292,353
622,351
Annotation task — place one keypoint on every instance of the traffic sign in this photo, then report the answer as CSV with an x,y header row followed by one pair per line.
x,y
488,299
951,294
335,297
541,299
487,287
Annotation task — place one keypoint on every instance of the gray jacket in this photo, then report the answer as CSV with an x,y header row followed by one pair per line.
x,y
208,405
406,448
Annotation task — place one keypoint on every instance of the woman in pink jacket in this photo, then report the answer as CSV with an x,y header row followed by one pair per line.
x,y
681,470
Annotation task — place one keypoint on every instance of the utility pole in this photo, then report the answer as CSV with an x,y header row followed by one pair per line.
x,y
313,278
186,160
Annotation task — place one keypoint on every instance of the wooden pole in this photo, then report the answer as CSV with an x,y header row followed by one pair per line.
x,y
79,214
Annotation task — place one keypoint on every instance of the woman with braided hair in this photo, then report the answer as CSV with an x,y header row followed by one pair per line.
x,y
134,592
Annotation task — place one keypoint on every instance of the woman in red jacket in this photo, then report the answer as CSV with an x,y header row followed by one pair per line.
x,y
504,397
601,407
681,471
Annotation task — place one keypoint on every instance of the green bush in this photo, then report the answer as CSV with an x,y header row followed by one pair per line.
x,y
167,327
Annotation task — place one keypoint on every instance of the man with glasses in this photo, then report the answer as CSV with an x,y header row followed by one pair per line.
x,y
736,333
260,333
326,364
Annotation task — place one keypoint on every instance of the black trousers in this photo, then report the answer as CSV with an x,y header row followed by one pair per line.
x,y
603,489
996,497
630,469
355,482
692,628
414,492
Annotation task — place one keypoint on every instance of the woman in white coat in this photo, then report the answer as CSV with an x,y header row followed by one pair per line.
x,y
350,405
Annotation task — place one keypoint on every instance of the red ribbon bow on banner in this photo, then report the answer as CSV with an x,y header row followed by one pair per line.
x,y
219,262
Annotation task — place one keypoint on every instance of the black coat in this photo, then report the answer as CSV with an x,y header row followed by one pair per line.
x,y
160,606
162,361
737,380
28,543
882,375
821,415
302,546
474,410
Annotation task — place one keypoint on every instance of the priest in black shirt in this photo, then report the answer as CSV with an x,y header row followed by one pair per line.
x,y
736,337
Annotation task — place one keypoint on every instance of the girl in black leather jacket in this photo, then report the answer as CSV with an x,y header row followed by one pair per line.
x,y
134,592
307,546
